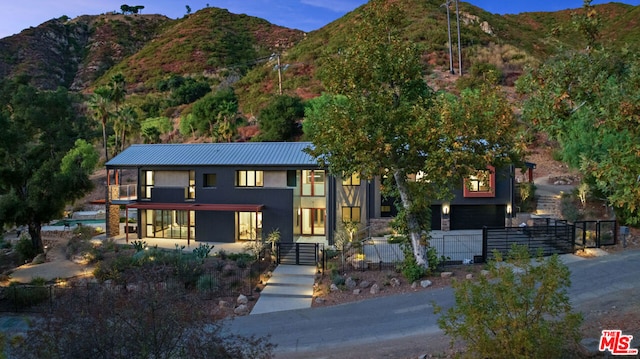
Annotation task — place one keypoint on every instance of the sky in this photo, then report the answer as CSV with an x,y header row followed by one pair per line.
x,y
306,15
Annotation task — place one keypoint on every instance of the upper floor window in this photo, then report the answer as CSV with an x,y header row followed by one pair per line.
x,y
210,180
191,190
481,184
353,180
313,183
146,184
249,178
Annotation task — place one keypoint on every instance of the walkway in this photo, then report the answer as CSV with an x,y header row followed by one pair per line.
x,y
290,287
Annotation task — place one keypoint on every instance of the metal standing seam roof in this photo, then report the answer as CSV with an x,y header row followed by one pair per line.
x,y
220,154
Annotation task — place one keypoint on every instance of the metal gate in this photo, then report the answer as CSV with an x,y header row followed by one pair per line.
x,y
298,253
594,234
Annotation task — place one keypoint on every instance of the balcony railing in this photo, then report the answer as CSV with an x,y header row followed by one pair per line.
x,y
123,192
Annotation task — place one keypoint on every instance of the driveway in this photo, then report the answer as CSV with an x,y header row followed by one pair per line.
x,y
404,326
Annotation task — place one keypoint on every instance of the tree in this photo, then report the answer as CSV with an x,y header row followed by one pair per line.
x,y
117,94
278,121
100,107
126,122
215,115
520,310
43,162
588,102
379,118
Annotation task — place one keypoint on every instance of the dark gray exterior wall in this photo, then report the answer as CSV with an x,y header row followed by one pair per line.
x,y
219,226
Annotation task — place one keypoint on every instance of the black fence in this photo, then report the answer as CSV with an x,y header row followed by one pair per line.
x,y
554,238
458,249
223,283
379,253
595,234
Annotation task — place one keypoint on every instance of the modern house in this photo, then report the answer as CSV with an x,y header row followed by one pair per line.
x,y
229,192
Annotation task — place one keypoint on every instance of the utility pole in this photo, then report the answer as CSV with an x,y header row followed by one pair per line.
x,y
279,76
459,46
446,5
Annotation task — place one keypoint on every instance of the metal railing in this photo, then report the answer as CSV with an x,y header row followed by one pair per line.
x,y
123,192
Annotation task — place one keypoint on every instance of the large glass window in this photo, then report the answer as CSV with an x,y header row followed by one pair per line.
x,y
249,225
146,184
249,178
313,183
170,224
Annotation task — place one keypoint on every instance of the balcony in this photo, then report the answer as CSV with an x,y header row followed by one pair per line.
x,y
123,193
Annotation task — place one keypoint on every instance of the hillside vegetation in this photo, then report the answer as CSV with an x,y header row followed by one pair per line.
x,y
217,76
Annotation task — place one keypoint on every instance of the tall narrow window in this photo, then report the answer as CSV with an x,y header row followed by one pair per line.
x,y
146,184
191,190
249,179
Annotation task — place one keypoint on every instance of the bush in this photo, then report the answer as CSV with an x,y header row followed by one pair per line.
x,y
206,283
521,310
25,296
409,268
25,249
569,210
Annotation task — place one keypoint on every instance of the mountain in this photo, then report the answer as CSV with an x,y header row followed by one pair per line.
x,y
226,48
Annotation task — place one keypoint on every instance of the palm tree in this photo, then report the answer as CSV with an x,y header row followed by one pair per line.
x,y
126,122
100,104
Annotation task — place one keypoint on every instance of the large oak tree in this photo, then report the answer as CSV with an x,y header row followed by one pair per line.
x,y
44,163
380,118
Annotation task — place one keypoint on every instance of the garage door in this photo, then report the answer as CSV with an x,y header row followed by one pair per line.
x,y
476,217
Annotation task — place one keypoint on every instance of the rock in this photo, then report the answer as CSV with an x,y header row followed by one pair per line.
x,y
39,259
356,291
364,284
224,304
395,282
484,273
469,276
425,283
414,285
359,264
333,288
242,299
319,300
375,289
241,310
350,283
446,274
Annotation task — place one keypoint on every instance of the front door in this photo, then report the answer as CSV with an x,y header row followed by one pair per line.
x,y
313,221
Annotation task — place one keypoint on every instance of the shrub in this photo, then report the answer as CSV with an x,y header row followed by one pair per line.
x,y
202,251
25,296
521,310
25,249
569,210
206,283
409,268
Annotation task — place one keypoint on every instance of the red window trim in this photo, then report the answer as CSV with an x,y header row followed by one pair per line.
x,y
492,186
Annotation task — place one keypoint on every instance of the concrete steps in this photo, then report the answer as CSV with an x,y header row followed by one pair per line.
x,y
548,206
